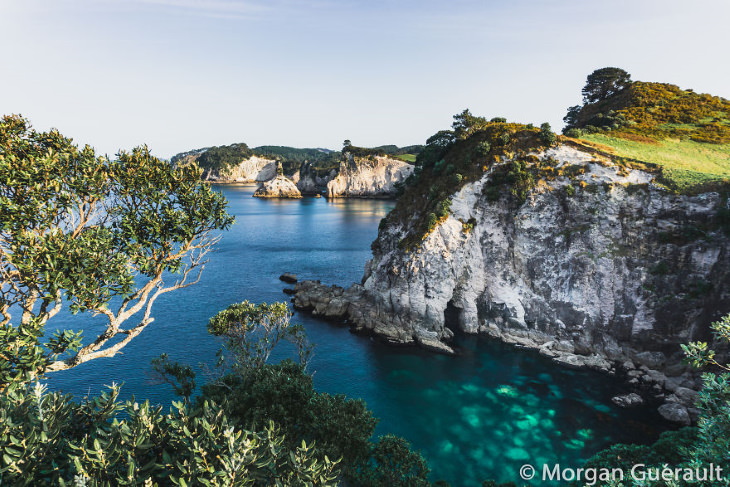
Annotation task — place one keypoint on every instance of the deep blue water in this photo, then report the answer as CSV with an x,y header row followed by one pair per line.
x,y
479,415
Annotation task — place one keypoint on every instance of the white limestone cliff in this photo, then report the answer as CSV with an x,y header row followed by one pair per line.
x,y
253,169
374,176
603,269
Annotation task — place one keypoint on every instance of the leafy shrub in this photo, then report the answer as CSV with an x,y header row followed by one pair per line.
x,y
547,136
483,148
52,440
393,463
575,133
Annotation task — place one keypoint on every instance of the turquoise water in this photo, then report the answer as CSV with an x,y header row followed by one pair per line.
x,y
479,415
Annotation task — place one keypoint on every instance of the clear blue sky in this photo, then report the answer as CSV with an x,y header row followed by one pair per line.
x,y
183,74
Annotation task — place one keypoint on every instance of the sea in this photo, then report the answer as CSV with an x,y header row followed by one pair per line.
x,y
483,414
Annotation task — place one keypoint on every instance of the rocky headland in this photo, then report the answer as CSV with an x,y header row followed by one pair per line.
x,y
560,249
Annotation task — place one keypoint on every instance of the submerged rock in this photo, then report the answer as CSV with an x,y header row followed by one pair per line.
x,y
288,278
628,400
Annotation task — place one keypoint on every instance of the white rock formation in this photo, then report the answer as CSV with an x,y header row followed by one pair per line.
x,y
595,269
253,169
279,187
368,177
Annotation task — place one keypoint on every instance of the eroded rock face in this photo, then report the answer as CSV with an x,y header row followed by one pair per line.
x,y
279,187
603,269
613,270
253,169
310,181
372,177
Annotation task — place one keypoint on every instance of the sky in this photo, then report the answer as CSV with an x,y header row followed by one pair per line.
x,y
183,74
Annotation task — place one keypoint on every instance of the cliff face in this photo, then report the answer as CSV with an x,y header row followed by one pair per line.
x,y
614,268
311,181
602,269
253,169
375,176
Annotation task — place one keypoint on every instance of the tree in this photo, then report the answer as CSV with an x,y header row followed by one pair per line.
x,y
603,83
255,392
547,135
347,143
394,464
106,237
252,332
571,118
466,124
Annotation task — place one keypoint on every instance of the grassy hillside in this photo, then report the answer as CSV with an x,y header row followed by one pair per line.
x,y
685,134
688,166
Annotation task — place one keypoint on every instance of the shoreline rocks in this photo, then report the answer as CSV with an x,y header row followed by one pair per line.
x,y
353,306
288,278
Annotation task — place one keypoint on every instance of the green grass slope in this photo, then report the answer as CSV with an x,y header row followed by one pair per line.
x,y
685,134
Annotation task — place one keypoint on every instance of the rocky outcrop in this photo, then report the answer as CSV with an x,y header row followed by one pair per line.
x,y
253,169
369,177
355,305
603,268
279,187
311,181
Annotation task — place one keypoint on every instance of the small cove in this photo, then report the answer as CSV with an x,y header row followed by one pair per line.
x,y
479,415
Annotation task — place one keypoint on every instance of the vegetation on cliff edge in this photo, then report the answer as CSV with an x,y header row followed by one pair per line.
x,y
452,158
686,135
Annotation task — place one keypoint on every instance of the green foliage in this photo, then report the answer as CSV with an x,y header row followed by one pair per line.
x,y
547,135
364,151
223,157
284,393
605,82
515,175
252,331
671,448
465,124
447,155
80,230
393,464
48,439
687,135
700,355
180,377
292,159
483,148
569,190
693,448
